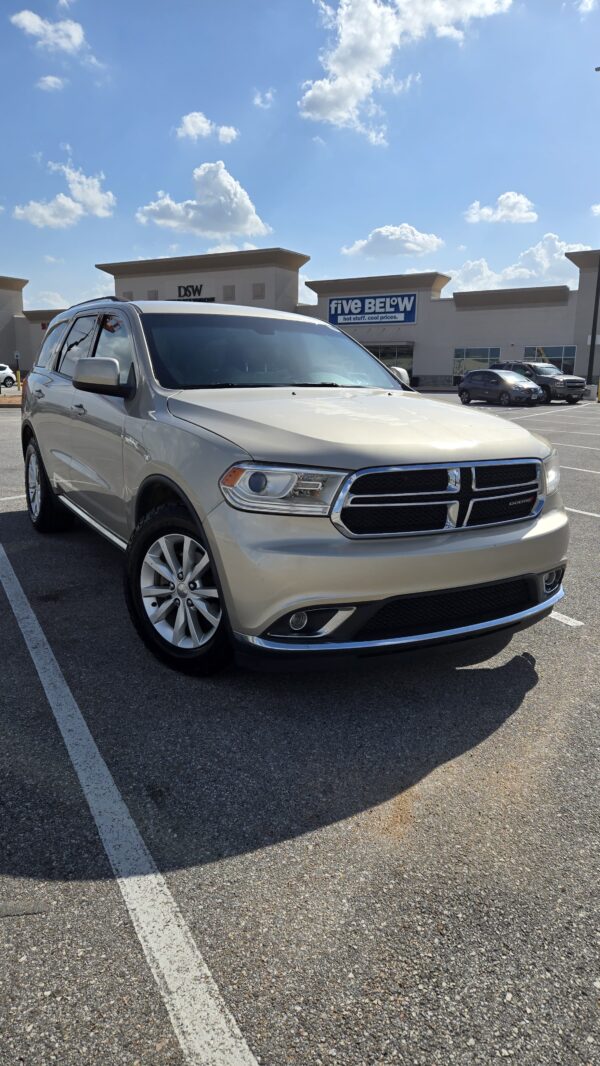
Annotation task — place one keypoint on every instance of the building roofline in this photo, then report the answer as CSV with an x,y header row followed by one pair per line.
x,y
12,284
536,296
42,314
281,257
336,286
588,258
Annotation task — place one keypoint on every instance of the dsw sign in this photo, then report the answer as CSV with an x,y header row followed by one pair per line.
x,y
188,292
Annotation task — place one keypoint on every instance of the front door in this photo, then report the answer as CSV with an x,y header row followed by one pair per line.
x,y
97,431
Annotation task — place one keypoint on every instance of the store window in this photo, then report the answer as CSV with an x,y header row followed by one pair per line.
x,y
228,293
466,359
128,295
153,294
258,290
561,356
393,355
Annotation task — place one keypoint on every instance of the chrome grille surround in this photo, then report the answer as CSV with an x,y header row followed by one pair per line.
x,y
458,500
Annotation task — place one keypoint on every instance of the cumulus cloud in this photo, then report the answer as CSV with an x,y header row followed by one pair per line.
x,y
265,99
64,35
366,36
596,209
585,6
395,240
220,207
196,125
542,264
50,83
509,207
87,197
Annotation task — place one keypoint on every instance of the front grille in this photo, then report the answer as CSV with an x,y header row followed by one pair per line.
x,y
451,609
408,501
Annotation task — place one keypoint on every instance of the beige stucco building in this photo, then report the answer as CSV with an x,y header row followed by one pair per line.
x,y
405,319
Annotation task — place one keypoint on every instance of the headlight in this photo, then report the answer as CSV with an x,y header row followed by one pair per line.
x,y
279,489
552,472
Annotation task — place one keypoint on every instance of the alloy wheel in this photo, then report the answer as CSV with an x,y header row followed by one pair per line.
x,y
179,592
34,485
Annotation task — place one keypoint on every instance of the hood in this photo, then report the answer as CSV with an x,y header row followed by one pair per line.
x,y
349,428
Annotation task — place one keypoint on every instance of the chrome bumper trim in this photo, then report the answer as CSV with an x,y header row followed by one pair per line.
x,y
393,642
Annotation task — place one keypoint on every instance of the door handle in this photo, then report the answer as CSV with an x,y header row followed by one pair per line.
x,y
78,408
39,393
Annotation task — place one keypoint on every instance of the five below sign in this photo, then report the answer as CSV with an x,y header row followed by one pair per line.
x,y
353,309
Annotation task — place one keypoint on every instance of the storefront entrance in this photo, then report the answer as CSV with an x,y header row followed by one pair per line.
x,y
394,355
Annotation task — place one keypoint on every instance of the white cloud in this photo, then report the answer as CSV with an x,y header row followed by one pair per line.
x,y
586,6
52,259
542,264
395,240
50,83
65,35
87,197
306,295
65,3
509,207
196,125
230,246
596,209
264,100
368,33
221,207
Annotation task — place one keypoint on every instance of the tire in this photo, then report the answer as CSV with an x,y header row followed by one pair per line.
x,y
547,394
8,383
46,513
572,399
505,399
190,636
465,397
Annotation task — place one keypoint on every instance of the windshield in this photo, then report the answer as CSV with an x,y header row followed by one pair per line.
x,y
242,351
511,375
545,369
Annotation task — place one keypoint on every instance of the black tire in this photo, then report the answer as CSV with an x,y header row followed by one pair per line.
x,y
505,399
49,516
217,651
8,383
465,396
547,394
572,399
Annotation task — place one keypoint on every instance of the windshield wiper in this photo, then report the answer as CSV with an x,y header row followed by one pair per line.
x,y
315,385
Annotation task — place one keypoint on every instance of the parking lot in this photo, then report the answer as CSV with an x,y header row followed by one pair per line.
x,y
396,861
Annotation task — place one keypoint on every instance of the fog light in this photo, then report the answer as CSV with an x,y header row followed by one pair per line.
x,y
552,581
298,620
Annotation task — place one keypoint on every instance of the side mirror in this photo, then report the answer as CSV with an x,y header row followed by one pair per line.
x,y
401,374
100,375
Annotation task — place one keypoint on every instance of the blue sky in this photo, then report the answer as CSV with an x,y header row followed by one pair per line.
x,y
377,136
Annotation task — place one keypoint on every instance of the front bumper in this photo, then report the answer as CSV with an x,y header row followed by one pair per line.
x,y
271,565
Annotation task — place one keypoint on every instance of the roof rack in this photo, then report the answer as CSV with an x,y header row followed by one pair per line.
x,y
99,300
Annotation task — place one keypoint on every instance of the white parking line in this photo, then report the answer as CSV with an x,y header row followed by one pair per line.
x,y
566,621
585,447
580,469
207,1032
590,514
21,496
560,411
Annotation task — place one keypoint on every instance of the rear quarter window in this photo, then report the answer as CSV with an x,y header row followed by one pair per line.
x,y
51,344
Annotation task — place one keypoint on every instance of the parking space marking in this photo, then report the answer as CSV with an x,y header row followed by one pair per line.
x,y
206,1030
560,411
566,621
585,447
21,496
590,514
580,469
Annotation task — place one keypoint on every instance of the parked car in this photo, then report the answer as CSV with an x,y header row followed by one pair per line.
x,y
7,378
498,386
276,491
554,384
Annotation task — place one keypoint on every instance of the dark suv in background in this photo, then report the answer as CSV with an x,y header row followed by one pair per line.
x,y
554,384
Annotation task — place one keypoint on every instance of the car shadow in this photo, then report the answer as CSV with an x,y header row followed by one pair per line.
x,y
220,766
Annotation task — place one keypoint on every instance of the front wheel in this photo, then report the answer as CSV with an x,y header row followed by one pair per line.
x,y
173,593
572,399
504,399
8,383
547,394
465,397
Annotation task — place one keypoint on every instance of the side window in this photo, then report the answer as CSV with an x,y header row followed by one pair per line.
x,y
78,344
114,342
52,343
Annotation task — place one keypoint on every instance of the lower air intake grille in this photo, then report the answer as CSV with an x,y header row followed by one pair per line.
x,y
451,609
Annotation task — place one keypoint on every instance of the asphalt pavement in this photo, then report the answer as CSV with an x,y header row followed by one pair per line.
x,y
395,861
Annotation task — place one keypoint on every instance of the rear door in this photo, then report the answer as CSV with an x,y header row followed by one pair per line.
x,y
97,432
491,385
